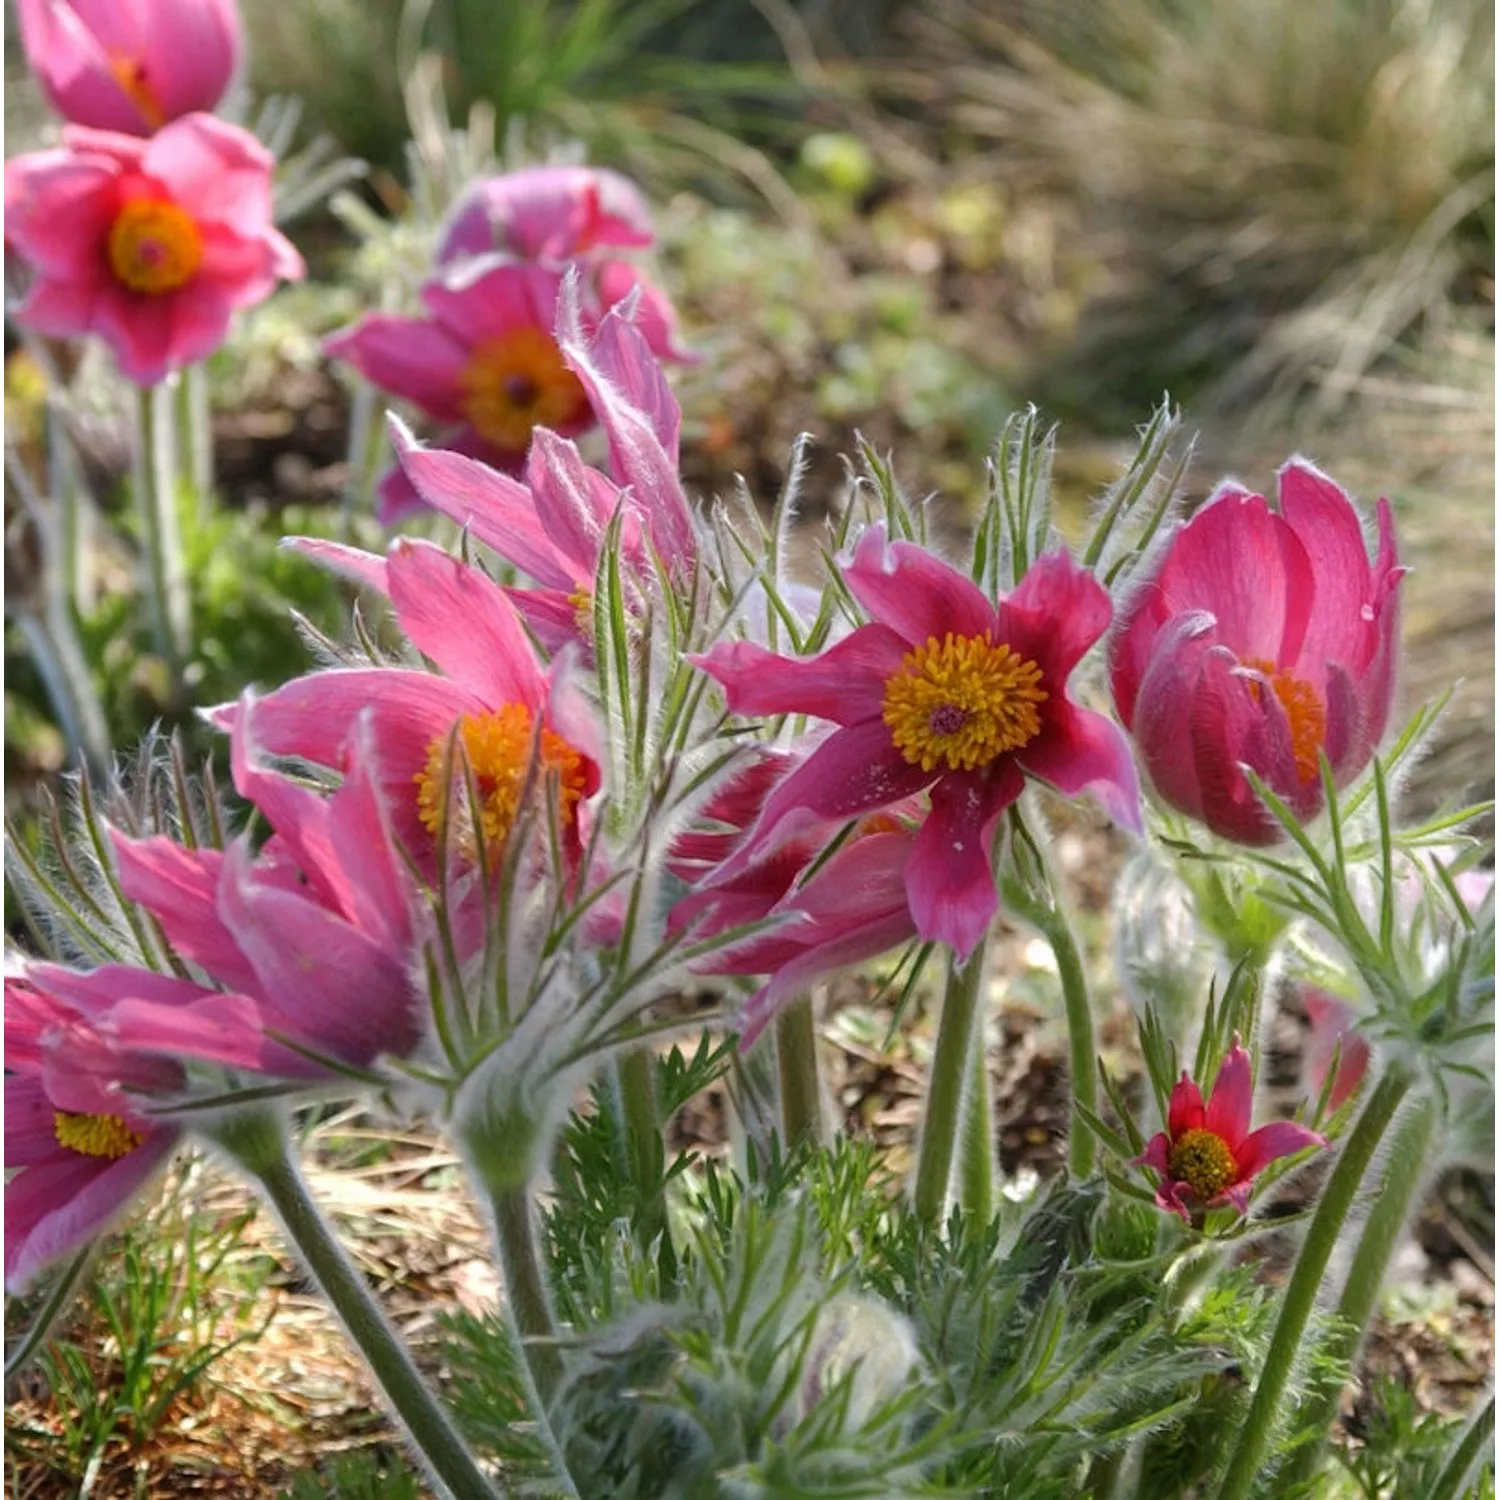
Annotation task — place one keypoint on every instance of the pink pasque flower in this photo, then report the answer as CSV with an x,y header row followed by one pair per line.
x,y
131,65
947,693
1208,1155
495,699
1262,639
555,216
1333,1029
149,245
551,523
851,908
484,365
78,1143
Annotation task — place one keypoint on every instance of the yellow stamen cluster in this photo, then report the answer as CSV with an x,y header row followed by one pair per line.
x,y
154,246
498,745
582,600
962,701
1204,1161
130,74
516,382
1305,714
95,1135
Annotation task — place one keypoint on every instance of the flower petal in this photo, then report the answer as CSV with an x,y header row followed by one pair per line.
x,y
1185,1108
1229,1103
914,592
950,879
216,171
1157,1154
409,357
1081,751
845,683
1055,614
1270,1143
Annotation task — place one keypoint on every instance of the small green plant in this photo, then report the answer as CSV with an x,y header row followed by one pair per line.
x,y
355,1476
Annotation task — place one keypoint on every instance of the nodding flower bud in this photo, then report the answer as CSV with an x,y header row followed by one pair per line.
x,y
866,1343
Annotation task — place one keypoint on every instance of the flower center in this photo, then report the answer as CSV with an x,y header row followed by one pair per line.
x,y
498,745
963,701
516,382
1305,714
130,74
95,1135
1204,1161
154,246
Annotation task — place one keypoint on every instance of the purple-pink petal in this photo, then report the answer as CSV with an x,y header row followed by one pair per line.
x,y
1270,1143
1229,1102
916,594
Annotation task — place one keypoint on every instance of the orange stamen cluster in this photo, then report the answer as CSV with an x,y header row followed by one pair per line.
x,y
1204,1161
154,246
498,746
516,382
1305,715
130,74
962,701
95,1135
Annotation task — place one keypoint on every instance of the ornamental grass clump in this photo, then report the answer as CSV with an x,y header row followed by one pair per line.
x,y
580,826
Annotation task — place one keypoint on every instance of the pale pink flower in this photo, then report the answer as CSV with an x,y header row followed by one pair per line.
x,y
1262,639
131,65
150,245
1208,1155
947,693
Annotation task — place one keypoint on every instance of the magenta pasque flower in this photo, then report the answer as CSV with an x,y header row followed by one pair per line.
x,y
551,521
1208,1155
484,365
131,65
851,907
79,1143
149,245
556,216
494,699
1333,1032
1263,639
944,692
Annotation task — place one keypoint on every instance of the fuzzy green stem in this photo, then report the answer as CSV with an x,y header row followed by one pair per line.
x,y
1480,1431
1302,1289
154,470
197,435
797,1067
1082,1055
635,1080
946,1086
1390,1207
259,1144
976,1162
526,1290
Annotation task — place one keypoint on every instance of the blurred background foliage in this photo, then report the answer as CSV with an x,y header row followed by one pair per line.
x,y
896,219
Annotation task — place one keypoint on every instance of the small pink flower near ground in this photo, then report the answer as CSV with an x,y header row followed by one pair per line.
x,y
131,65
78,1144
1262,639
1208,1155
944,692
849,909
150,245
556,216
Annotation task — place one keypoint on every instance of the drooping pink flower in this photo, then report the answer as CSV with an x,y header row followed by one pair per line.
x,y
131,65
1263,638
484,365
551,522
947,693
850,908
556,216
495,699
79,1145
1208,1155
1333,1029
149,245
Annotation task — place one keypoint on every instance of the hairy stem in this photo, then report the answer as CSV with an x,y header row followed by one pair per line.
x,y
1390,1207
154,470
526,1289
1474,1441
797,1067
1307,1275
259,1144
976,1164
947,1084
635,1079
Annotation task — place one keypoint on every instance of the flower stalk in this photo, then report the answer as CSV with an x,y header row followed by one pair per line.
x,y
976,1167
154,479
526,1297
951,1072
1392,1197
257,1141
1302,1289
636,1083
797,1067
